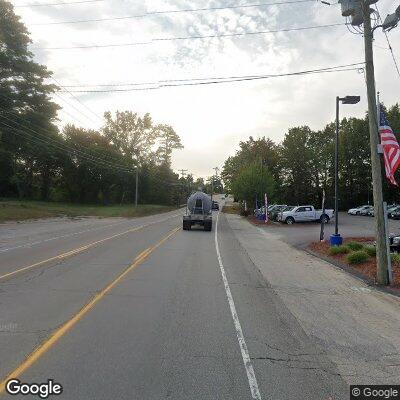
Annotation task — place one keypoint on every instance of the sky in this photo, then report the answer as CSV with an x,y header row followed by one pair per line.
x,y
210,119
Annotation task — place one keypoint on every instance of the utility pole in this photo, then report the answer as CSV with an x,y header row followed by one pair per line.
x,y
137,187
183,173
381,255
359,12
216,169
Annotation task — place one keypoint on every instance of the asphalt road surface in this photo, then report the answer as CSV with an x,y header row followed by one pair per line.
x,y
139,309
301,234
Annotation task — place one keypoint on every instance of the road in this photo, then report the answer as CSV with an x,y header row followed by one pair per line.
x,y
143,310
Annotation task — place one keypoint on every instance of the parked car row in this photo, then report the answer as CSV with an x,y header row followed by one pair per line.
x,y
368,210
291,214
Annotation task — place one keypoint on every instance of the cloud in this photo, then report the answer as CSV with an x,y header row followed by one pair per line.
x,y
211,120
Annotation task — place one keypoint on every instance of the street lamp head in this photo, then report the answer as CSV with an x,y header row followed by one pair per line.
x,y
350,100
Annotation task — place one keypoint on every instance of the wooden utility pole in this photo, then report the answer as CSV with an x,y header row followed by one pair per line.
x,y
137,187
381,255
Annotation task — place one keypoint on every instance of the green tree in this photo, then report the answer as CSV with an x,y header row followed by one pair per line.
x,y
27,114
296,166
168,141
134,136
253,182
263,150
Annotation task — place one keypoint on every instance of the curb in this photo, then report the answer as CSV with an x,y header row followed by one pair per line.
x,y
354,272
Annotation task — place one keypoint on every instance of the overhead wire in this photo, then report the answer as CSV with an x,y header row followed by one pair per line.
x,y
70,151
219,80
160,12
167,39
79,101
67,3
389,44
64,146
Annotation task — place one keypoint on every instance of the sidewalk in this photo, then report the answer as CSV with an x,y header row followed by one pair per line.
x,y
357,326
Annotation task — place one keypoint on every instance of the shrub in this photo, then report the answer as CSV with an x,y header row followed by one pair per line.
x,y
395,258
370,250
357,257
354,246
334,250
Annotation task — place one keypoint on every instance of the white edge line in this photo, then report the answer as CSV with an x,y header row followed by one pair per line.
x,y
255,392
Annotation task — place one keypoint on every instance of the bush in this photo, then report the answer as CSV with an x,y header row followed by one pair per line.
x,y
370,250
354,246
395,258
335,250
357,257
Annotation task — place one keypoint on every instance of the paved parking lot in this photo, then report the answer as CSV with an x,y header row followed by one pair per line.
x,y
301,234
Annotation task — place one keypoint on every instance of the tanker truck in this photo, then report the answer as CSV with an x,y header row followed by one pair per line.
x,y
198,211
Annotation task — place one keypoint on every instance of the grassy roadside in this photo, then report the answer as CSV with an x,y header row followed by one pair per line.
x,y
14,210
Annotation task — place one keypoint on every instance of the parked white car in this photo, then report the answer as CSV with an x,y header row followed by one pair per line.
x,y
358,210
304,214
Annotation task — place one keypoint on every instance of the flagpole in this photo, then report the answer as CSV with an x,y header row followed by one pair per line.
x,y
386,224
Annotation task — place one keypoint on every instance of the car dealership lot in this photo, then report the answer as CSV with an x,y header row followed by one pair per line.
x,y
301,234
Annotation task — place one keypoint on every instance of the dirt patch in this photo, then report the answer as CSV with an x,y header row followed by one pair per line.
x,y
231,209
366,269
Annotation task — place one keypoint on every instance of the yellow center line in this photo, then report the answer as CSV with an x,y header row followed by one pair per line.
x,y
71,252
59,333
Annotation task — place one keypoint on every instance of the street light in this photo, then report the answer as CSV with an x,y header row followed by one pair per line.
x,y
336,239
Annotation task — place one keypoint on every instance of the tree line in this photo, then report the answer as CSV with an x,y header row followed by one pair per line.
x,y
301,167
39,160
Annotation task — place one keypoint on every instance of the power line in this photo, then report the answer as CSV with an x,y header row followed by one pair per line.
x,y
388,42
72,152
207,81
63,146
57,4
164,39
80,102
202,79
152,13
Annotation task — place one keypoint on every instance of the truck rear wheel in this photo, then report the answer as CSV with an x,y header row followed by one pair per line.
x,y
208,226
187,226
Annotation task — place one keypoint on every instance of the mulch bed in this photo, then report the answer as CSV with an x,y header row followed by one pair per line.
x,y
367,269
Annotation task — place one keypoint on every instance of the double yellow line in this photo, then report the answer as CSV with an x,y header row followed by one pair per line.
x,y
59,333
68,253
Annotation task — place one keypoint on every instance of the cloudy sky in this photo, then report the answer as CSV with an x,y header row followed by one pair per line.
x,y
211,119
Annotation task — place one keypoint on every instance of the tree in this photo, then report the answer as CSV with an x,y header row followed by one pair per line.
x,y
134,136
296,166
168,141
27,114
263,150
253,182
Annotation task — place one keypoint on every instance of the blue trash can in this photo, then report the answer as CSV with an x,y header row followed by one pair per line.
x,y
336,240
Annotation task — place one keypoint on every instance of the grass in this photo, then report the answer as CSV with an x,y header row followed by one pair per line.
x,y
395,258
13,210
335,250
357,257
370,250
354,246
231,209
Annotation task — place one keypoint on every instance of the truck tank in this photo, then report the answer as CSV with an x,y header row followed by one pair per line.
x,y
199,200
198,212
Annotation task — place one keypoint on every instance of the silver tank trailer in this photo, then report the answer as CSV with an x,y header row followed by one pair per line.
x,y
198,211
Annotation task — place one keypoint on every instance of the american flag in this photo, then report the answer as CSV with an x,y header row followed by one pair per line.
x,y
391,148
